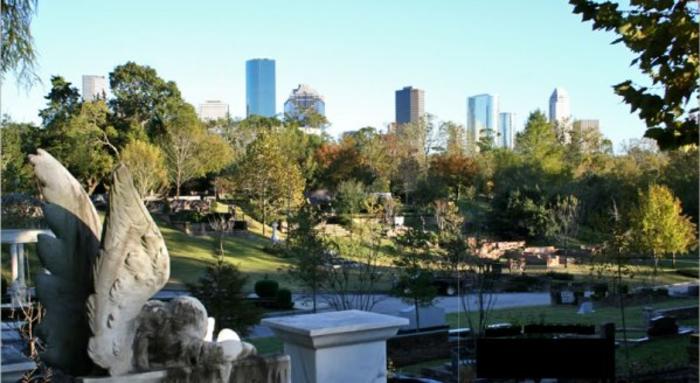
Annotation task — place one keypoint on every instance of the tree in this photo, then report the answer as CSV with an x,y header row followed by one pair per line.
x,y
538,144
63,102
664,34
350,197
142,102
412,262
18,141
147,165
267,178
659,226
308,249
190,151
220,289
455,170
17,51
455,138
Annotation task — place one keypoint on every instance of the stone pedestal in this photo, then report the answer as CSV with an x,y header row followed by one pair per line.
x,y
341,346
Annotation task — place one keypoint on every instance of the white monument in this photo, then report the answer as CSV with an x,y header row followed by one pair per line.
x,y
339,346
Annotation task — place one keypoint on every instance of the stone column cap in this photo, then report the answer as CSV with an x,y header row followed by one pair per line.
x,y
23,235
335,328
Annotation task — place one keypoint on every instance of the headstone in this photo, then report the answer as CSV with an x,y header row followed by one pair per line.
x,y
567,297
586,308
340,346
274,237
662,325
398,220
427,316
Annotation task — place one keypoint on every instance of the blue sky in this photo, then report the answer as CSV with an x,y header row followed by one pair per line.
x,y
355,53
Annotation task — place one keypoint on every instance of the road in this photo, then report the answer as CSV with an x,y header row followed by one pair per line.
x,y
391,305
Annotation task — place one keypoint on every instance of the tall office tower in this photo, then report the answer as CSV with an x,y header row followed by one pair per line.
x,y
482,118
410,105
505,130
260,87
302,99
559,109
213,110
94,87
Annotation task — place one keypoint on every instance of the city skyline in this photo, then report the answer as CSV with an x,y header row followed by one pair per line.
x,y
522,69
260,87
409,105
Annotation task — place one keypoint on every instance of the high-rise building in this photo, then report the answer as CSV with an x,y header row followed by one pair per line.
x,y
410,105
559,108
94,87
586,134
505,130
302,99
260,87
482,117
213,110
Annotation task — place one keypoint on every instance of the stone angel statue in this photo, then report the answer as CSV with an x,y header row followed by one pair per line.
x,y
98,281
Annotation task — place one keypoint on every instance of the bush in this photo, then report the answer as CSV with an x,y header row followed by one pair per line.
x,y
521,283
266,288
560,276
284,299
691,272
600,290
341,220
191,216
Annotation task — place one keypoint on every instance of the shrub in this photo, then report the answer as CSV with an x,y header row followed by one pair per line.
x,y
691,272
284,299
266,288
521,283
560,276
600,290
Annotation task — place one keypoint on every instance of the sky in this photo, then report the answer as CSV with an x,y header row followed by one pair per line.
x,y
356,53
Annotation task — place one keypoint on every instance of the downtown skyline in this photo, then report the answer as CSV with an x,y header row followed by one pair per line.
x,y
357,71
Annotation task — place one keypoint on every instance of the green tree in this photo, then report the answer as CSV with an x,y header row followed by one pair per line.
x,y
63,103
142,102
538,144
659,226
191,151
147,165
17,51
18,141
350,197
220,289
271,182
664,35
309,251
413,263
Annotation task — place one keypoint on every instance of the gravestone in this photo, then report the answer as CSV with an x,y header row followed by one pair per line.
x,y
662,326
568,297
586,308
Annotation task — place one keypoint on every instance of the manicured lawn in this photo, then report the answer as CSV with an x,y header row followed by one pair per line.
x,y
268,345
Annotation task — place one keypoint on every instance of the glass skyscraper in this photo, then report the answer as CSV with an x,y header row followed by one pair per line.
x,y
482,117
304,98
409,105
505,130
260,87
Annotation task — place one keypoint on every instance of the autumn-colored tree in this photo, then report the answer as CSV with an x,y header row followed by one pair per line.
x,y
455,170
147,165
659,226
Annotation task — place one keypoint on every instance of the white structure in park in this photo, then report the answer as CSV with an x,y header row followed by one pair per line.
x,y
94,87
340,346
213,110
559,107
19,264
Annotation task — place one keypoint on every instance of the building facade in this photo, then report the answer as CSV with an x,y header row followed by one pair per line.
x,y
260,87
559,107
94,87
213,110
410,105
302,99
506,123
482,118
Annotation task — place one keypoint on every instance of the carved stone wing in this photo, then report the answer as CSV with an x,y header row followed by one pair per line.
x,y
69,260
133,264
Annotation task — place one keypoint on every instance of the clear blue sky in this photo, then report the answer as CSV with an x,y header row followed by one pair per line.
x,y
355,53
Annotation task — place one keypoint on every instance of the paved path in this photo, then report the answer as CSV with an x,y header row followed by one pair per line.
x,y
392,305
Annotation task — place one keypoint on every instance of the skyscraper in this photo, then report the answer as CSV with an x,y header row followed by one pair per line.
x,y
94,87
482,117
410,105
559,109
586,135
260,87
302,99
213,110
505,130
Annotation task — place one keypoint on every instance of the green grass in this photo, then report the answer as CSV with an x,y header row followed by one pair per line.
x,y
267,345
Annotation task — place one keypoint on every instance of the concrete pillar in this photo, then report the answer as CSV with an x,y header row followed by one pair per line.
x,y
14,255
340,346
22,262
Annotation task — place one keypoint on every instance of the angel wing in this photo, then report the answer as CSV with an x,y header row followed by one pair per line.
x,y
132,265
69,260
